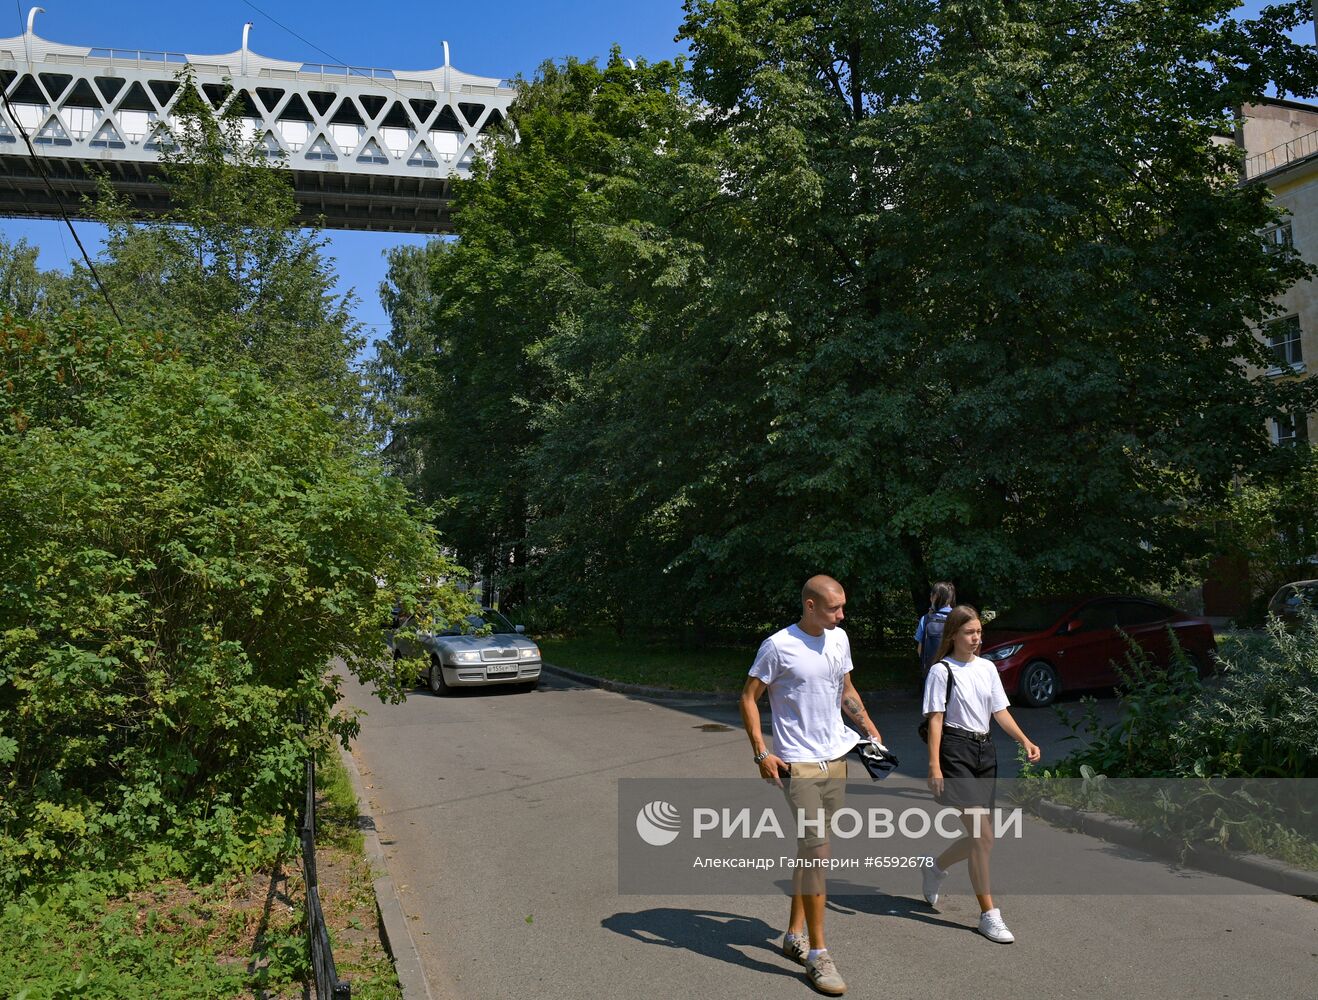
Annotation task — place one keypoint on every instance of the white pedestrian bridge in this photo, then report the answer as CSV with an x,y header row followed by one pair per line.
x,y
367,148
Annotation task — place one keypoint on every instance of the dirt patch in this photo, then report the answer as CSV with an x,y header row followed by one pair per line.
x,y
258,922
347,896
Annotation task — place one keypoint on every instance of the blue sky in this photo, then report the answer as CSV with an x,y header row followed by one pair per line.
x,y
490,39
501,39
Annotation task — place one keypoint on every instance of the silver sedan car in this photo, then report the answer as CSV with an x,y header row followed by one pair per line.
x,y
482,649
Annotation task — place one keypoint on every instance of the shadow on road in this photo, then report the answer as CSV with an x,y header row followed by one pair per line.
x,y
852,898
711,933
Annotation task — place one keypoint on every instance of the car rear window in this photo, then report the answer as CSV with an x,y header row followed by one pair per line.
x,y
1032,616
1141,613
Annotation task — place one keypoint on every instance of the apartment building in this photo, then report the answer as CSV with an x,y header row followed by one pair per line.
x,y
1280,140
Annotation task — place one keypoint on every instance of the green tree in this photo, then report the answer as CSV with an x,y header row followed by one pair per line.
x,y
225,267
1272,522
537,234
396,371
184,549
893,291
26,290
1016,275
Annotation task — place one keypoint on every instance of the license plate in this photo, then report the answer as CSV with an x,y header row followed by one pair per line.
x,y
501,671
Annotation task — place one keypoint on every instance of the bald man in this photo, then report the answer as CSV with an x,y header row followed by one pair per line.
x,y
806,670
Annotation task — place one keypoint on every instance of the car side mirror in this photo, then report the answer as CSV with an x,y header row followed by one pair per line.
x,y
520,629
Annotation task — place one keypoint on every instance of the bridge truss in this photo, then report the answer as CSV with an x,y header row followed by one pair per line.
x,y
367,148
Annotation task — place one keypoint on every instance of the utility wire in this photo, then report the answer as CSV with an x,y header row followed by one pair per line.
x,y
59,202
328,55
22,27
45,177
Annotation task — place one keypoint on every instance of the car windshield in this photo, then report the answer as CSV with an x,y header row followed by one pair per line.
x,y
498,624
1031,616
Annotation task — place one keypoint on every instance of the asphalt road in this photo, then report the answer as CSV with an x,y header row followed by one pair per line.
x,y
498,814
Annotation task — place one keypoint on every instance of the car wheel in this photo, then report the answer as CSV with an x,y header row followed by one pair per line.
x,y
438,686
1204,666
1038,684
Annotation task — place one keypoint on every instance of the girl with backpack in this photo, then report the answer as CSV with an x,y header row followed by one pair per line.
x,y
929,629
962,693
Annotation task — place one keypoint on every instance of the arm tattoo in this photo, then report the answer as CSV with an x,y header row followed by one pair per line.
x,y
853,707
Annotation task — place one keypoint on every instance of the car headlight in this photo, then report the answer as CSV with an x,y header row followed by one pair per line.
x,y
530,654
1002,652
467,656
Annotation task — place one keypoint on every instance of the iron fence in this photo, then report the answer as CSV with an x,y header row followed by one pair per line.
x,y
328,984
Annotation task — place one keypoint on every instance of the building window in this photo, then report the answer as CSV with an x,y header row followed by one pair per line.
x,y
1277,237
1284,339
1291,430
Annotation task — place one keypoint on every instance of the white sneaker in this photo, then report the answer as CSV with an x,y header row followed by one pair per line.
x,y
823,975
796,947
993,928
933,880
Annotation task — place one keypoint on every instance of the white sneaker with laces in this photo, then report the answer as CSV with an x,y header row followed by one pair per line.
x,y
796,947
823,975
933,880
992,927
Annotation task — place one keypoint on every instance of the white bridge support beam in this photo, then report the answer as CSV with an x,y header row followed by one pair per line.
x,y
367,148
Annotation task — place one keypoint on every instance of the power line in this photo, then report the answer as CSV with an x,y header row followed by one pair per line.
x,y
23,29
59,203
328,55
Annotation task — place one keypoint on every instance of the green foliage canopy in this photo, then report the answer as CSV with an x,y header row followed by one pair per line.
x,y
183,549
225,269
893,291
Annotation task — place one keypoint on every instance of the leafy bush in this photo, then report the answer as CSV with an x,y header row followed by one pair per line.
x,y
1261,721
78,940
183,550
1154,700
1271,523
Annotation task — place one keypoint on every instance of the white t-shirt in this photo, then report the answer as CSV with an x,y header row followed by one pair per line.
x,y
976,693
804,674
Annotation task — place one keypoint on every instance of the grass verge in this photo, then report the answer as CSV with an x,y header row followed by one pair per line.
x,y
705,668
347,890
1213,819
243,936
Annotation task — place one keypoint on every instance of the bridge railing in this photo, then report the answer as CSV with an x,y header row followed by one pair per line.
x,y
322,73
135,58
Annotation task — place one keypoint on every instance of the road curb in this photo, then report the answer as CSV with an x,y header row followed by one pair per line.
x,y
394,929
1255,869
671,694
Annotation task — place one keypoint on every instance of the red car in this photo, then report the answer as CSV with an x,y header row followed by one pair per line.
x,y
1046,645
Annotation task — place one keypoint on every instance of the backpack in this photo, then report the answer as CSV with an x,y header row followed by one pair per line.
x,y
933,637
923,728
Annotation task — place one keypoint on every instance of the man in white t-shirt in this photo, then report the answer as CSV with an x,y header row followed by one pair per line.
x,y
806,670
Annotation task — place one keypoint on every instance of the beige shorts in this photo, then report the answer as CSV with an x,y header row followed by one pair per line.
x,y
813,792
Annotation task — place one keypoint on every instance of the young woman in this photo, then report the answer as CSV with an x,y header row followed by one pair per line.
x,y
963,764
929,629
